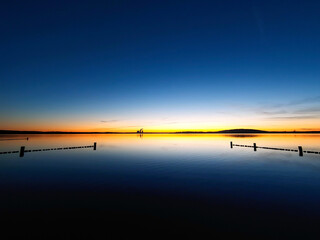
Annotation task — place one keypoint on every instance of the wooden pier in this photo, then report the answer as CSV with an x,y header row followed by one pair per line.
x,y
23,150
255,147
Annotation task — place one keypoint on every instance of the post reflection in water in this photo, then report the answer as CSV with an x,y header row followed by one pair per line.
x,y
193,183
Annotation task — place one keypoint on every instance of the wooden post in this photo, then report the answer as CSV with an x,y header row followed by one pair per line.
x,y
300,151
231,146
95,146
255,147
22,151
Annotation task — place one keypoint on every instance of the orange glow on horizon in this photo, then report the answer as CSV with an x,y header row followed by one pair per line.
x,y
154,125
161,130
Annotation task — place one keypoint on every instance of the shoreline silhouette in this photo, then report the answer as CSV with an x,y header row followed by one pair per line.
x,y
231,131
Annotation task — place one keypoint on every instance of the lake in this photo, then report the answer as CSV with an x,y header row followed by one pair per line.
x,y
163,185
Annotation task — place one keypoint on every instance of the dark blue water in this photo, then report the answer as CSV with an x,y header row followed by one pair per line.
x,y
161,185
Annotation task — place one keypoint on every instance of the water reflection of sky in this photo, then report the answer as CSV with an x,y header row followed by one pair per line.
x,y
203,167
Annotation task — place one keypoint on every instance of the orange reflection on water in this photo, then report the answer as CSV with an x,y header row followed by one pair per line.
x,y
148,142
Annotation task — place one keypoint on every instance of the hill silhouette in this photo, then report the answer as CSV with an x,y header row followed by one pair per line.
x,y
242,131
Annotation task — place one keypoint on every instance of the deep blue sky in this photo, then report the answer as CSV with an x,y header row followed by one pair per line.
x,y
159,64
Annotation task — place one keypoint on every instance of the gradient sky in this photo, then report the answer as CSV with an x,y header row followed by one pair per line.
x,y
162,65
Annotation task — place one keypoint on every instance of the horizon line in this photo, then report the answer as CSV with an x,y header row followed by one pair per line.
x,y
238,130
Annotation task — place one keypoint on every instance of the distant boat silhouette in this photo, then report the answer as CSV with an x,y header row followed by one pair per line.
x,y
140,131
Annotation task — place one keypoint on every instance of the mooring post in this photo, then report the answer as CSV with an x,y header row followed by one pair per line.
x,y
300,151
231,146
255,147
27,139
22,151
95,146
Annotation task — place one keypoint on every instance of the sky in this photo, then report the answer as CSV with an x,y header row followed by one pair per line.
x,y
161,65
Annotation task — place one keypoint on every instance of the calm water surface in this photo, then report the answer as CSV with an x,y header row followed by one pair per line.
x,y
157,183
